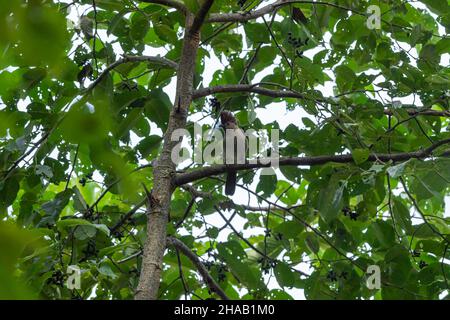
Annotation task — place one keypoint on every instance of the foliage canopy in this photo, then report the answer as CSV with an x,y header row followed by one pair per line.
x,y
85,102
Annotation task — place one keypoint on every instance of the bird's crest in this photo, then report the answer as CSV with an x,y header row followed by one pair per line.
x,y
227,116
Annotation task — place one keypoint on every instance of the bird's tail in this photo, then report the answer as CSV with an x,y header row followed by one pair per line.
x,y
230,184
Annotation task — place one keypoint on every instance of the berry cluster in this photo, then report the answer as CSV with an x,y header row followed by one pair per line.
x,y
416,254
57,278
117,234
221,269
241,2
333,276
267,264
297,43
91,249
84,179
214,103
278,236
353,215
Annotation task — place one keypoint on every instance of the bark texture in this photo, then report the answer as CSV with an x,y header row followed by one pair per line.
x,y
164,171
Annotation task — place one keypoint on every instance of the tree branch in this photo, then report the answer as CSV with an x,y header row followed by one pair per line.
x,y
253,88
286,93
227,204
212,284
303,161
230,204
186,213
110,186
27,153
127,216
412,111
243,17
164,170
196,193
158,60
200,16
419,210
169,3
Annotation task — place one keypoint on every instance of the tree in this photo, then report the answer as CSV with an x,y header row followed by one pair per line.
x,y
87,118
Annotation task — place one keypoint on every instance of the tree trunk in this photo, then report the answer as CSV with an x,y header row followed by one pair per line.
x,y
163,172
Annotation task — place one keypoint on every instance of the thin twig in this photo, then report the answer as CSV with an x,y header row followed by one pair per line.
x,y
212,284
73,167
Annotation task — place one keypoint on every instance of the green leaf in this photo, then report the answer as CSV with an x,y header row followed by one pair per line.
x,y
147,145
443,46
54,207
401,215
439,7
103,228
397,170
330,200
78,200
39,32
267,184
231,252
316,288
84,232
256,33
117,23
70,223
32,77
46,171
37,110
429,57
360,155
291,173
139,26
284,275
14,240
399,265
8,191
289,229
344,78
212,232
383,233
312,243
424,231
130,120
277,294
192,5
437,79
116,248
205,207
426,189
105,269
165,33
157,108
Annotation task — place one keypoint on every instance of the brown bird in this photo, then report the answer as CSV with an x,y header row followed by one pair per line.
x,y
234,148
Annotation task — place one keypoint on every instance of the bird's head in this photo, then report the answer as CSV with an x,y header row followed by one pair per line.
x,y
227,120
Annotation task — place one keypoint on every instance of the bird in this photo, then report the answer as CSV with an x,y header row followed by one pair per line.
x,y
235,153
